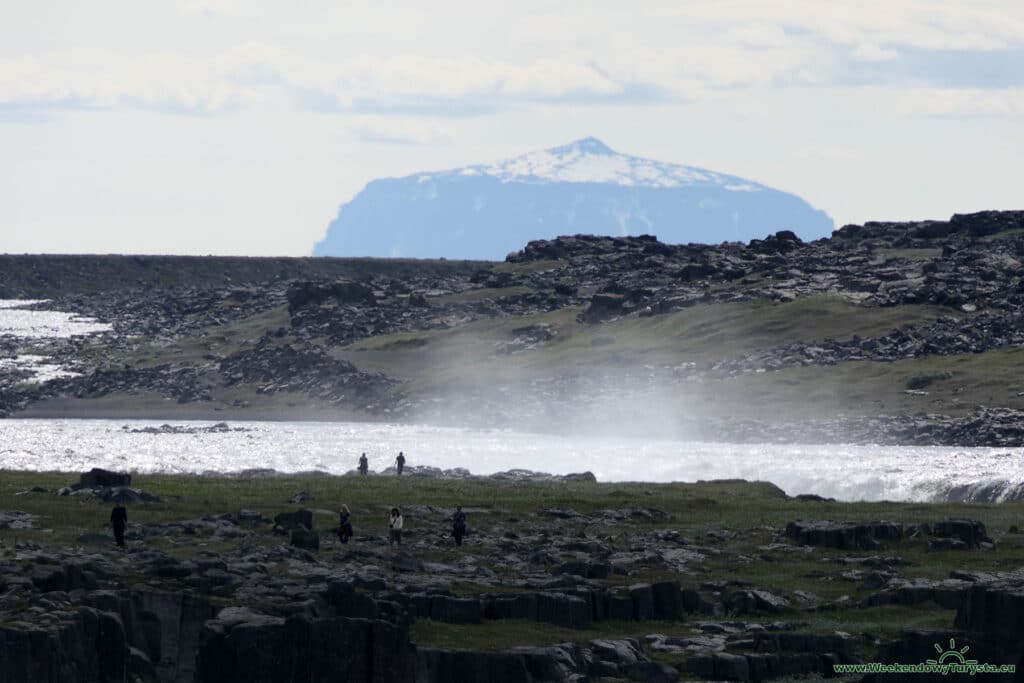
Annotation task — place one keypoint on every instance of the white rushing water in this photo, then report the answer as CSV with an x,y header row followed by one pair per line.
x,y
842,472
19,322
16,320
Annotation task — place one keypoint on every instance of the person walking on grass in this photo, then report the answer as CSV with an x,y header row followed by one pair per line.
x,y
395,524
400,462
458,525
364,464
119,520
344,524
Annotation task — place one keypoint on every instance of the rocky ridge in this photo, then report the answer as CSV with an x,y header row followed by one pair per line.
x,y
307,339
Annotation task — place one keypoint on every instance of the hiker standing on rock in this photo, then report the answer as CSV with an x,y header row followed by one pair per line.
x,y
119,520
395,527
364,464
458,524
400,462
344,524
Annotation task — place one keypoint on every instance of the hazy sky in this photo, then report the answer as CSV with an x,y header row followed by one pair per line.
x,y
239,126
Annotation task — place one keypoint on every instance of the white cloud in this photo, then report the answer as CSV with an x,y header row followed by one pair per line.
x,y
830,153
391,130
959,103
872,52
155,81
930,24
212,8
257,74
604,52
403,77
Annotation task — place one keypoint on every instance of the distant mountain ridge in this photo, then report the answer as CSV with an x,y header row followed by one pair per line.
x,y
487,210
591,161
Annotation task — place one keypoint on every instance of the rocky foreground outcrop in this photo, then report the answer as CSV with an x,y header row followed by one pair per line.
x,y
603,592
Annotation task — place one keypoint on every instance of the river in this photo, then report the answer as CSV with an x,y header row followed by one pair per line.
x,y
844,472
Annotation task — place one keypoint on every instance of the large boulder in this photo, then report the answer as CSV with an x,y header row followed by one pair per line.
x,y
88,646
643,601
126,494
755,602
668,600
995,608
843,535
840,644
619,607
564,610
585,569
237,648
404,561
435,665
651,672
617,658
603,305
508,606
554,662
100,478
303,294
286,521
720,666
987,222
301,537
16,519
347,602
970,531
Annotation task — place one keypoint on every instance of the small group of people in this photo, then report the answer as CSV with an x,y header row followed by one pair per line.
x,y
364,464
396,523
119,515
119,521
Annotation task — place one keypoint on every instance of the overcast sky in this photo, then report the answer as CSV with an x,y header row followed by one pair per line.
x,y
239,126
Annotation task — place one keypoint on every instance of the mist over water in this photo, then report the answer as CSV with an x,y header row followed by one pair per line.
x,y
838,471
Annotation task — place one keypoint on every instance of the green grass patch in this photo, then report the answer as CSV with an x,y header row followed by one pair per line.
x,y
924,379
529,266
479,295
921,254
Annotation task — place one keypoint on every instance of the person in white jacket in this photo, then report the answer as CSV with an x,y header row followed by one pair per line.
x,y
395,527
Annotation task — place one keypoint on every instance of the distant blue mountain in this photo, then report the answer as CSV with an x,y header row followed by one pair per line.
x,y
487,211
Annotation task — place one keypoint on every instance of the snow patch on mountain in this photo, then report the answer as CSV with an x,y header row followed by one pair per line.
x,y
591,161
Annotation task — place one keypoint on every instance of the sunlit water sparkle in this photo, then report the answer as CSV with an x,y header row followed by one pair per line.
x,y
16,320
844,472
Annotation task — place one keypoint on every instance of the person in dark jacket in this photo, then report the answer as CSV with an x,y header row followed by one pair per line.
x,y
119,520
364,464
400,462
458,525
344,524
